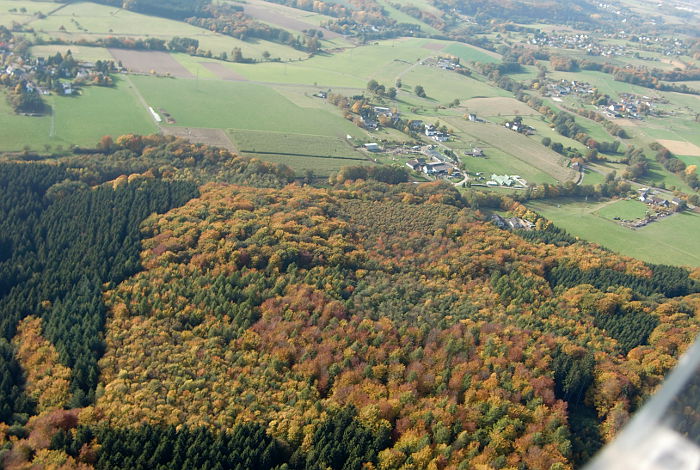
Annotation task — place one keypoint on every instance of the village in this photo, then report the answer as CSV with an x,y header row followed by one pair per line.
x,y
34,77
628,106
668,46
632,106
580,42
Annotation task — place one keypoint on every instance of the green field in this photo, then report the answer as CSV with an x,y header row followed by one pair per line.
x,y
628,209
471,53
80,120
320,154
500,163
7,17
512,152
322,167
90,21
689,159
657,175
238,105
85,53
18,131
672,240
294,144
402,17
603,81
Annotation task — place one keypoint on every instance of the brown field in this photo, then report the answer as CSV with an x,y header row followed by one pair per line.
x,y
433,46
157,62
628,122
284,17
680,147
503,106
215,137
517,145
223,72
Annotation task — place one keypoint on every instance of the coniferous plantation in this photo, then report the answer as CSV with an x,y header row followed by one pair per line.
x,y
171,305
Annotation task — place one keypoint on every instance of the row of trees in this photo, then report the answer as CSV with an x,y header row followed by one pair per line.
x,y
675,165
565,123
642,76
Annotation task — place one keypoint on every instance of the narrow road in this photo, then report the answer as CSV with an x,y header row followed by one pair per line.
x,y
141,99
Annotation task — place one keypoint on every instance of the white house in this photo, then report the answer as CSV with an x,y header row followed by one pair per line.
x,y
434,168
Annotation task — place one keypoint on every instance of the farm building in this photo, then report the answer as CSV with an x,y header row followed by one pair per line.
x,y
416,164
373,147
435,168
506,180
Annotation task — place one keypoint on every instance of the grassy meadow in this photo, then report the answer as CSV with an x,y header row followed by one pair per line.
x,y
627,209
83,53
672,240
78,120
295,144
237,105
515,151
90,21
322,155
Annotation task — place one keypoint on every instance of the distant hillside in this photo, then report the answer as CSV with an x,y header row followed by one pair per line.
x,y
523,11
177,9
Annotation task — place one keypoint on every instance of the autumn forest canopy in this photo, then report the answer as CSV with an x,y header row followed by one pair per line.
x,y
170,305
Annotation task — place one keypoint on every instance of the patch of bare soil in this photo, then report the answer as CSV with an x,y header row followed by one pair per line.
x,y
199,135
157,62
223,72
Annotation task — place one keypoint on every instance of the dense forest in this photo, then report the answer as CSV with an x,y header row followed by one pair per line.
x,y
245,322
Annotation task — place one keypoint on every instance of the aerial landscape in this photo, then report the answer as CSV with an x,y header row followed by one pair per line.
x,y
343,234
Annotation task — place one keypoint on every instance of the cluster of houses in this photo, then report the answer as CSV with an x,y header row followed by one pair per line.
x,y
579,42
558,88
519,127
370,116
448,63
45,76
631,106
668,46
647,196
445,63
660,208
436,134
435,168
